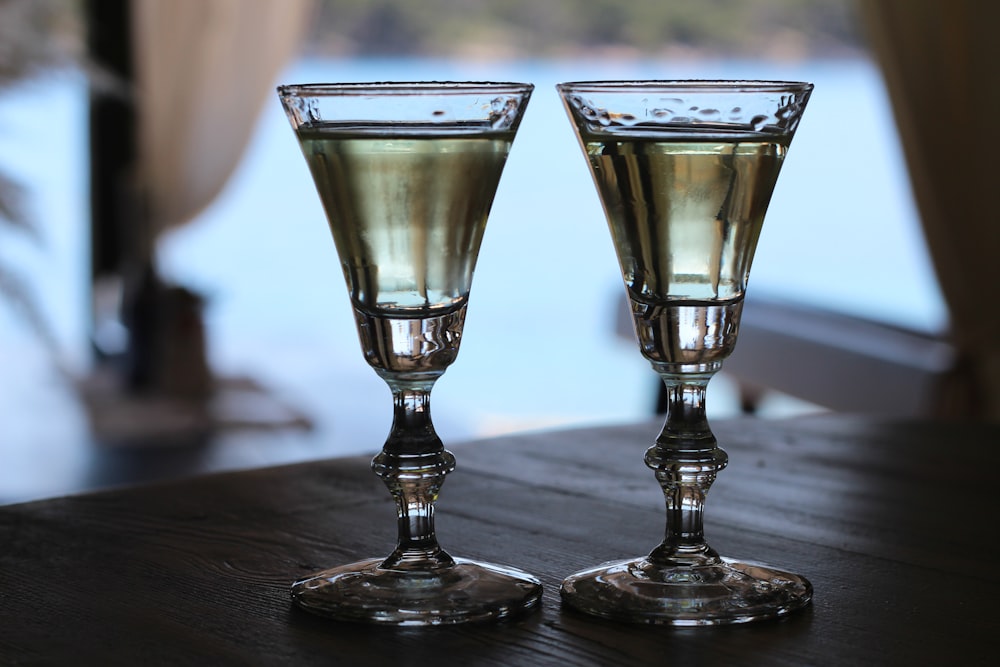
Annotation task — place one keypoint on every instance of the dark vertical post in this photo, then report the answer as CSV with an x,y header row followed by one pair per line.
x,y
125,288
159,347
112,128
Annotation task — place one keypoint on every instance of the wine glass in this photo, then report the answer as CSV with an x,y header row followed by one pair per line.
x,y
685,171
407,173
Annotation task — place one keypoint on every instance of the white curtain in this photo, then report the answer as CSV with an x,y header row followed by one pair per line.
x,y
203,70
940,60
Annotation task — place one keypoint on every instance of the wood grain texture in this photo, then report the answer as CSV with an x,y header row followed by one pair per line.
x,y
893,522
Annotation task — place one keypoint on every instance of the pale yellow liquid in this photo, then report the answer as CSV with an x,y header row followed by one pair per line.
x,y
685,216
407,207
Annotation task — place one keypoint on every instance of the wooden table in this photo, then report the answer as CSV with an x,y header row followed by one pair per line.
x,y
895,523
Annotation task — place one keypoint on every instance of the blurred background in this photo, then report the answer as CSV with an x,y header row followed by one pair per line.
x,y
171,302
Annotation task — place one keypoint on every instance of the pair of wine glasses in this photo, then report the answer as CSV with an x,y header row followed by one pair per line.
x,y
407,173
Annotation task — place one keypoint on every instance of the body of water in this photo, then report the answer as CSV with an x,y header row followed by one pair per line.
x,y
540,347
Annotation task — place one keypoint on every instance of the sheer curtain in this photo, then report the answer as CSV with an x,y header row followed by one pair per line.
x,y
940,64
202,71
204,68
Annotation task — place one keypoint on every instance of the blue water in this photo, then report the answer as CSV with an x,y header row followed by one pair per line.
x,y
540,346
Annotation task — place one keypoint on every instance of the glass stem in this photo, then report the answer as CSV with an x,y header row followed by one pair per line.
x,y
413,464
685,459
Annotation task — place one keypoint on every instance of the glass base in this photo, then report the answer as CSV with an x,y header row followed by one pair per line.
x,y
638,591
465,592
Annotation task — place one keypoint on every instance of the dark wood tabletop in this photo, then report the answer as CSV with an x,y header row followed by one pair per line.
x,y
895,523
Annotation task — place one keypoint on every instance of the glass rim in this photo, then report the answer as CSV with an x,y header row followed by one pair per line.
x,y
403,88
688,85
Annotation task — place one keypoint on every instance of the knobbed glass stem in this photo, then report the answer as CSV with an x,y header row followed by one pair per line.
x,y
683,581
686,458
413,465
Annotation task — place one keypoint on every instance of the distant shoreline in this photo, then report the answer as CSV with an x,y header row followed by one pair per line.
x,y
737,29
778,53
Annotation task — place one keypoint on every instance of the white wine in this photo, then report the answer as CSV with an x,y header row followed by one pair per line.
x,y
407,205
685,214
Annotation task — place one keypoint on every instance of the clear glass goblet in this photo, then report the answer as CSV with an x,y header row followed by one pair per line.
x,y
685,172
407,173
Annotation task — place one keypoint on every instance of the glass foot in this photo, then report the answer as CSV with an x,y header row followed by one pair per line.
x,y
465,592
639,591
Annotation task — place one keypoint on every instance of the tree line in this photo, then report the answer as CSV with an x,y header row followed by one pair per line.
x,y
553,28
